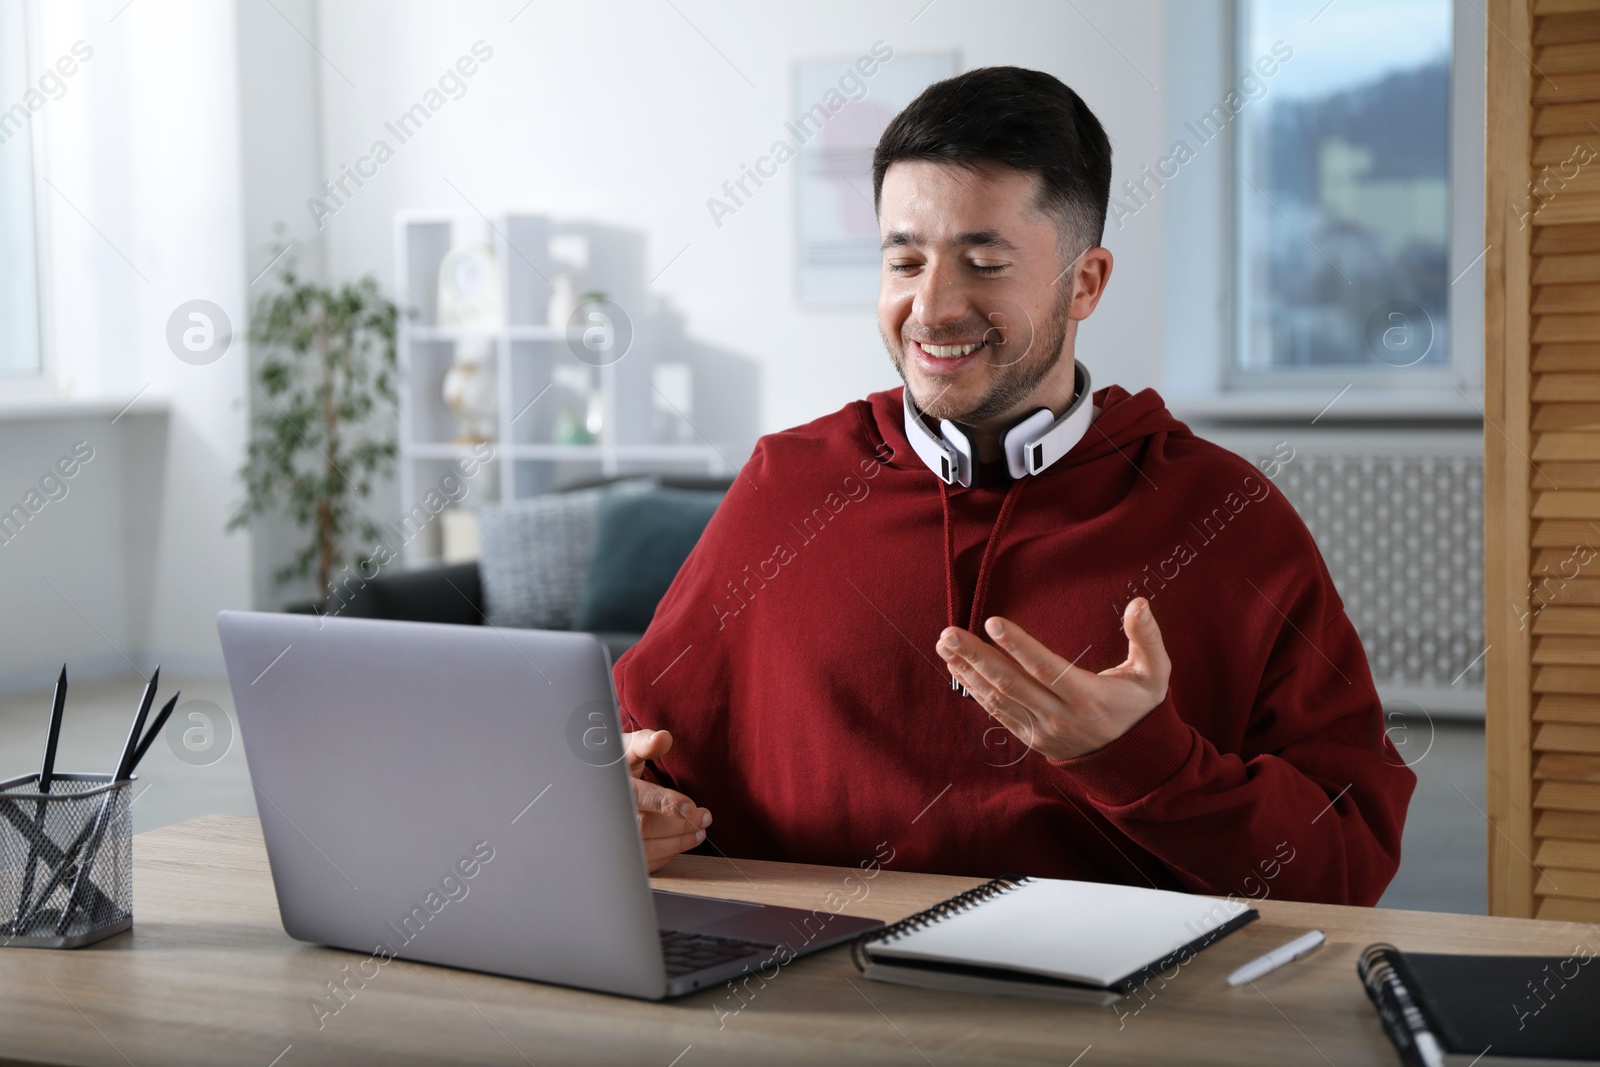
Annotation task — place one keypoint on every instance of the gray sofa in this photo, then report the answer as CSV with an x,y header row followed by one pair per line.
x,y
455,593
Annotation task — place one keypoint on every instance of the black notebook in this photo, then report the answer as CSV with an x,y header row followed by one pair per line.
x,y
1529,1011
1087,942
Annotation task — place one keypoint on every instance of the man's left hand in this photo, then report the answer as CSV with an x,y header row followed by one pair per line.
x,y
1056,709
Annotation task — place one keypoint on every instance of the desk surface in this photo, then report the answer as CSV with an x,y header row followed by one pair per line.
x,y
207,976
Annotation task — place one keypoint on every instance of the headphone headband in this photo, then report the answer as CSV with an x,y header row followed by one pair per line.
x,y
1031,445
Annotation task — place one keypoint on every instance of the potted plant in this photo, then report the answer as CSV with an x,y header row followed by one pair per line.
x,y
325,430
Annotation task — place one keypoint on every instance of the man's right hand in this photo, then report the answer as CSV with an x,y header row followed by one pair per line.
x,y
669,822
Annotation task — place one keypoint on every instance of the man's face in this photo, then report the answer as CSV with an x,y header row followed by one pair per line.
x,y
969,261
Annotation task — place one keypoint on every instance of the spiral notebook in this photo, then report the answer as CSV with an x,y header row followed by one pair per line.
x,y
1086,942
1494,1011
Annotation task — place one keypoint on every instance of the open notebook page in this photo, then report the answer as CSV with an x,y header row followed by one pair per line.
x,y
1079,931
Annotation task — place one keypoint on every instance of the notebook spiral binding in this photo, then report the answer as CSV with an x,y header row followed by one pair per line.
x,y
940,911
1401,1017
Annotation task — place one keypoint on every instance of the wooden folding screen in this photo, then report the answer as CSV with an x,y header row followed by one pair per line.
x,y
1542,456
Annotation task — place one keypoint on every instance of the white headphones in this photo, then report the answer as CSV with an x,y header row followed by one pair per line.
x,y
1030,446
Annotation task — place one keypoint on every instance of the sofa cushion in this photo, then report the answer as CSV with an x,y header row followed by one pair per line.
x,y
534,555
641,539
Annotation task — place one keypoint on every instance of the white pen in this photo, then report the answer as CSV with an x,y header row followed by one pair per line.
x,y
1300,946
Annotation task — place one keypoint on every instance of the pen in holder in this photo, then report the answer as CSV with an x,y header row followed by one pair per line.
x,y
66,861
66,841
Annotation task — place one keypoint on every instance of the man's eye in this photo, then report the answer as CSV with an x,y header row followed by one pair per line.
x,y
988,270
903,267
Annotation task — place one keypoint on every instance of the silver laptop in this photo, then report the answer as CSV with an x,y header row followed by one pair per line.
x,y
457,795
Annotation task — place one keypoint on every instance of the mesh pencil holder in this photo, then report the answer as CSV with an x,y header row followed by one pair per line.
x,y
66,861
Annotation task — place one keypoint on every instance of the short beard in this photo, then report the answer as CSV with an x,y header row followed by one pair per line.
x,y
1015,382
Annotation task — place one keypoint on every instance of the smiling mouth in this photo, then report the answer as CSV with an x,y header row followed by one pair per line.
x,y
950,351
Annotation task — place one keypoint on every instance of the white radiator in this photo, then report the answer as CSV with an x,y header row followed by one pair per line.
x,y
1398,516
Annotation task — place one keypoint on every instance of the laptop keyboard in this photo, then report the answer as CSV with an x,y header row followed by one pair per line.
x,y
686,952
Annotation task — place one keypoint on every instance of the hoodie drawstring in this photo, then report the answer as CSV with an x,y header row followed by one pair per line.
x,y
980,592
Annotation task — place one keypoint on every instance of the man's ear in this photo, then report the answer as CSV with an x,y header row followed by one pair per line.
x,y
1088,276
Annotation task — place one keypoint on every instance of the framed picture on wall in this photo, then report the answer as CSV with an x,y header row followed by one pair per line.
x,y
841,107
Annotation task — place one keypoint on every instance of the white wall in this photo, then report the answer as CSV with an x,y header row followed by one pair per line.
x,y
143,213
624,113
186,201
280,89
68,551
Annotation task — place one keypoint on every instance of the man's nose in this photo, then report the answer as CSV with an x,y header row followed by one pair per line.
x,y
939,300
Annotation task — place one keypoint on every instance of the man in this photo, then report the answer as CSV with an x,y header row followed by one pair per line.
x,y
868,660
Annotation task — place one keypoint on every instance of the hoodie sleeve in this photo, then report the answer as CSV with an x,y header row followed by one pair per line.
x,y
686,648
1312,805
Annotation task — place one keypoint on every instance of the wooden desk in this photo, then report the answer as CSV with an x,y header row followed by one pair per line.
x,y
207,976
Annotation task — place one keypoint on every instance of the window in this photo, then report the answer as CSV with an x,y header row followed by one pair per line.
x,y
1342,208
19,276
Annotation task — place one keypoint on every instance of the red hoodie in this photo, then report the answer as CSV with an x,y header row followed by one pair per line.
x,y
793,660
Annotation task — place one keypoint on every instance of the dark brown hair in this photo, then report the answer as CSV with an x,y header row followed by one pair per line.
x,y
1023,119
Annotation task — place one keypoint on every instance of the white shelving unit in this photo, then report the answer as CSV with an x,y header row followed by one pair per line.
x,y
532,358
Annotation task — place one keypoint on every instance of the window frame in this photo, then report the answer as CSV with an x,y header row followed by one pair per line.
x,y
1206,47
42,379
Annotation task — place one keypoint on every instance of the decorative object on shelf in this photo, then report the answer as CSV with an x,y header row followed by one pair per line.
x,y
572,429
468,390
469,290
580,405
327,371
469,300
75,849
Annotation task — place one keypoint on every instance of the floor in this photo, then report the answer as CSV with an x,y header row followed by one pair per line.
x,y
198,768
1444,854
210,777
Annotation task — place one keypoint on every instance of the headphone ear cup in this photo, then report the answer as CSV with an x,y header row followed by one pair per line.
x,y
1019,437
958,441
